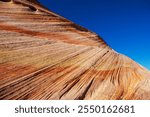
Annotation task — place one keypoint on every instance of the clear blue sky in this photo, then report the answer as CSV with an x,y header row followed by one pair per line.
x,y
123,24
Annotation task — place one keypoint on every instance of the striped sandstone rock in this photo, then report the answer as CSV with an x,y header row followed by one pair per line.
x,y
45,56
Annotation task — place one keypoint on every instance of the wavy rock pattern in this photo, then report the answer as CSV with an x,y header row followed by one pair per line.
x,y
45,56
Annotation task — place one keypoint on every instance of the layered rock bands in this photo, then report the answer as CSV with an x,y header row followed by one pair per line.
x,y
45,56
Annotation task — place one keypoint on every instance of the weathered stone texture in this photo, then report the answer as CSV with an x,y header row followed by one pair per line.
x,y
45,56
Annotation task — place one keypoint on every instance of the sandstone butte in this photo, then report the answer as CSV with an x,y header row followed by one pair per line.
x,y
45,56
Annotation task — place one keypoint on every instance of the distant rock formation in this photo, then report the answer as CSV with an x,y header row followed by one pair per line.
x,y
45,56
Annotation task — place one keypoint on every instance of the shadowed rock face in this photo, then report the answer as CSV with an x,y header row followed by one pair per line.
x,y
45,56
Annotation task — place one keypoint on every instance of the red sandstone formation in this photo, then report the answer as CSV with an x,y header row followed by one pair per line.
x,y
45,56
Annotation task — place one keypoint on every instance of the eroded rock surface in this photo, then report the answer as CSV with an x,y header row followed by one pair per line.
x,y
45,56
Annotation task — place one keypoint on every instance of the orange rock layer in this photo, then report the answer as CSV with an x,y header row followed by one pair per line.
x,y
45,56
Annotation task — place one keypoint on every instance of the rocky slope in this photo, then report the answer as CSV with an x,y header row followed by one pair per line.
x,y
45,56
